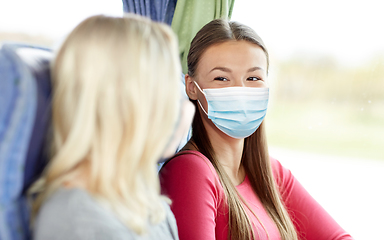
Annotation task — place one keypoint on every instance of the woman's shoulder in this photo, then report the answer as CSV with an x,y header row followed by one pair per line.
x,y
67,203
75,214
189,173
188,162
284,178
282,175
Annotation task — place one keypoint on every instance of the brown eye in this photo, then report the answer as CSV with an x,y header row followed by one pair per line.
x,y
221,79
253,79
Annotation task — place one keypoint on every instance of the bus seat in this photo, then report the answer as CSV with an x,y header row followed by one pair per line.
x,y
25,93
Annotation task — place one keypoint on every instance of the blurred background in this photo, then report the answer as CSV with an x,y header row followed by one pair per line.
x,y
327,73
326,114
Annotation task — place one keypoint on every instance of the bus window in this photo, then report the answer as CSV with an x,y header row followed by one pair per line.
x,y
326,115
45,22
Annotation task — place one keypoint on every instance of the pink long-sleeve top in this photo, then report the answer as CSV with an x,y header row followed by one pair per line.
x,y
198,203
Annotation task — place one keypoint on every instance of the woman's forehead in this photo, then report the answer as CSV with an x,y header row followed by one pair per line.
x,y
233,55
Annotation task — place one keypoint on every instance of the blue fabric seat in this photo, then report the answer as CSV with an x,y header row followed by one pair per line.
x,y
25,96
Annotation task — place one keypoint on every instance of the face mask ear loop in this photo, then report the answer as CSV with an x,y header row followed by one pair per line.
x,y
199,100
202,107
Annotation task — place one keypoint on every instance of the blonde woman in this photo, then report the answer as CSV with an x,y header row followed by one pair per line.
x,y
116,103
224,185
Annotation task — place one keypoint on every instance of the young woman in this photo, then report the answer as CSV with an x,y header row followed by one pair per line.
x,y
224,185
116,104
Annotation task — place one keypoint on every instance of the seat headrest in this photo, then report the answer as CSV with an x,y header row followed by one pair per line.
x,y
25,114
24,97
37,61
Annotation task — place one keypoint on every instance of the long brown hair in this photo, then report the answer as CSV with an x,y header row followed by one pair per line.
x,y
255,158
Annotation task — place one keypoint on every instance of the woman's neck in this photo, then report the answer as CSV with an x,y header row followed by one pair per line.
x,y
228,152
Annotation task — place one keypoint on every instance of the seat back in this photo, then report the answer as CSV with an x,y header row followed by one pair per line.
x,y
25,93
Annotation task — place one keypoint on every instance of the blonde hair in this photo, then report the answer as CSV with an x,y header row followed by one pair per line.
x,y
115,106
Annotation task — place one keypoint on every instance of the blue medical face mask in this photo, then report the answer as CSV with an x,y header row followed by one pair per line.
x,y
236,111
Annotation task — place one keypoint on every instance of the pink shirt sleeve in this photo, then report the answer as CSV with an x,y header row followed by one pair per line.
x,y
192,188
312,222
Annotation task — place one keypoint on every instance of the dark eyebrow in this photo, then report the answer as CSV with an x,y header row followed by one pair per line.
x,y
224,69
255,69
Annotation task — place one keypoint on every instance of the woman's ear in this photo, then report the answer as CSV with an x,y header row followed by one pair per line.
x,y
190,87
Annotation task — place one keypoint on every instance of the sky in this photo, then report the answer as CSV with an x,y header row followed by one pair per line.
x,y
349,31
